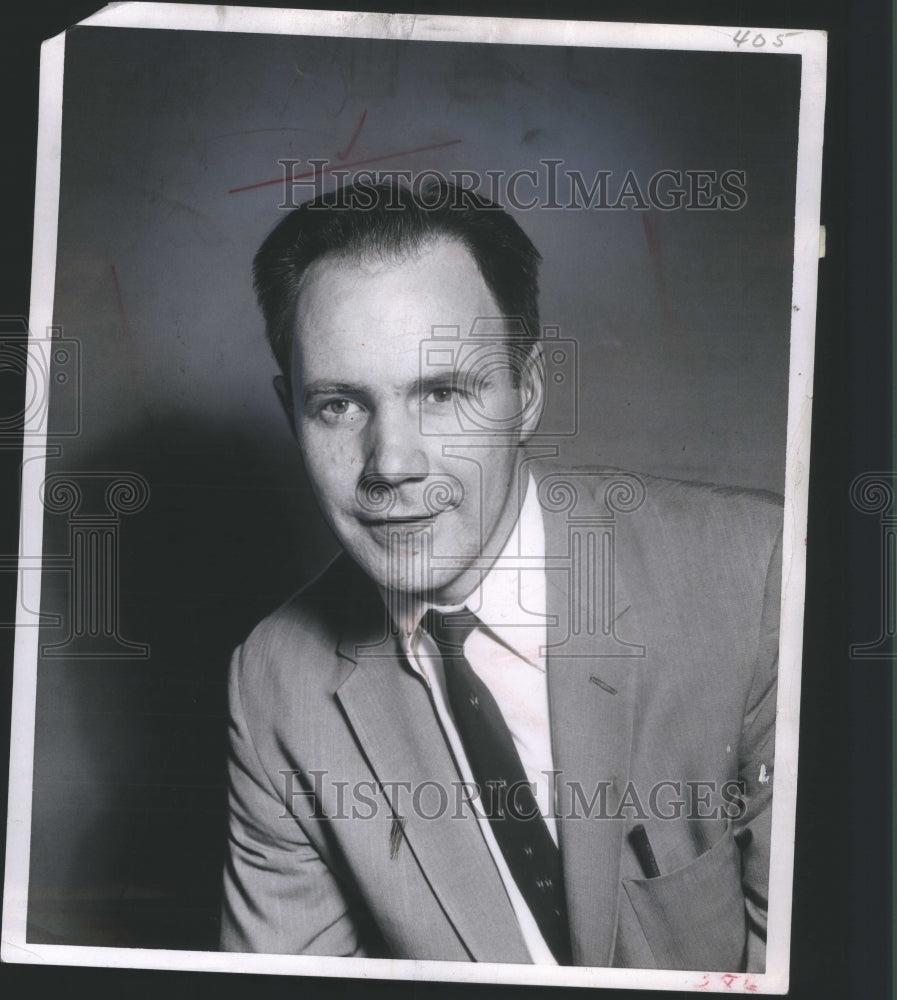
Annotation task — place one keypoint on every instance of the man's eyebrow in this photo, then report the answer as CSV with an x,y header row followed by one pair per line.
x,y
437,380
454,379
324,387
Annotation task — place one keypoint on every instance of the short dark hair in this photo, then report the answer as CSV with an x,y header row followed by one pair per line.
x,y
387,220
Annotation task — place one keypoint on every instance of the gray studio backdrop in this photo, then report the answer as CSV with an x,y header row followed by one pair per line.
x,y
681,320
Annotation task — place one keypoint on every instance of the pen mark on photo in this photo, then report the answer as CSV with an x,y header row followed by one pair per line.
x,y
345,152
396,833
603,684
123,316
651,226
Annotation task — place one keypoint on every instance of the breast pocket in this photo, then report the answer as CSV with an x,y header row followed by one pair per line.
x,y
694,917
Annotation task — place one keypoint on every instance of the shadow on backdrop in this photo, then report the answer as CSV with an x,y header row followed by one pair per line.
x,y
129,809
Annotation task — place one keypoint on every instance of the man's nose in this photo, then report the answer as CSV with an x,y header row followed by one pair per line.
x,y
395,452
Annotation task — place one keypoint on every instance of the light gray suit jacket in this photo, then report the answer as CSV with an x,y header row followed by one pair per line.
x,y
673,683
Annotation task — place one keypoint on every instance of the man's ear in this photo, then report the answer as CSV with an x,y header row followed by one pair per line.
x,y
285,395
532,389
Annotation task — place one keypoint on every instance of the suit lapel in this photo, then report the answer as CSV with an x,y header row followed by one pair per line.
x,y
592,690
391,715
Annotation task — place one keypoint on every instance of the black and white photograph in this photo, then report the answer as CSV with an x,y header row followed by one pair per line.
x,y
414,498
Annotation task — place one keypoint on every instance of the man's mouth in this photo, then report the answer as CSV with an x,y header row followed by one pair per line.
x,y
401,521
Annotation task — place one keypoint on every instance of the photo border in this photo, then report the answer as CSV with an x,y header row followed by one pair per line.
x,y
810,45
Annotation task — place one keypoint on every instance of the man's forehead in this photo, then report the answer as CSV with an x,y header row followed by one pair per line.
x,y
414,260
436,286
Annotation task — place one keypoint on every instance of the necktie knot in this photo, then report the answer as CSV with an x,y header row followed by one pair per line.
x,y
450,629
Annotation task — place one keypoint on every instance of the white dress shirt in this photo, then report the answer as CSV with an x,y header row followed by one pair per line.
x,y
507,656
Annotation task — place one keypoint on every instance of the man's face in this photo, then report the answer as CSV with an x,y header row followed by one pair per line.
x,y
412,494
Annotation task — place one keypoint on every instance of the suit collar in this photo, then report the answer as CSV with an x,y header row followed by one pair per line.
x,y
389,710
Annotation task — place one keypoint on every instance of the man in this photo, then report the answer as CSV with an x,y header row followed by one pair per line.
x,y
506,724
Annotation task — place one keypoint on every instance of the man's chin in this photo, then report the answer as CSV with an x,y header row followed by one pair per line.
x,y
413,580
415,562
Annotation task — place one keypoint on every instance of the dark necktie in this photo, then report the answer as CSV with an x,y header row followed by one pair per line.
x,y
507,798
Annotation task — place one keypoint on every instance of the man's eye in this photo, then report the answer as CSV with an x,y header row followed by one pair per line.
x,y
339,410
444,394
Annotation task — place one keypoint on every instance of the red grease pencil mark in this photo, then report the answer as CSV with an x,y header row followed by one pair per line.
x,y
729,980
355,135
137,361
356,163
650,220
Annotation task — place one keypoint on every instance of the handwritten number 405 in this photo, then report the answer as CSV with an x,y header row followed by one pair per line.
x,y
758,39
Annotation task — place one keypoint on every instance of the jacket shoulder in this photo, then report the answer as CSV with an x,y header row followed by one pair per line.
x,y
625,494
304,632
669,531
754,508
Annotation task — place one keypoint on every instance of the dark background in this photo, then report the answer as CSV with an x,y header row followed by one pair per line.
x,y
842,930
